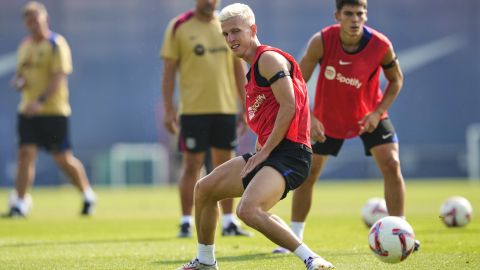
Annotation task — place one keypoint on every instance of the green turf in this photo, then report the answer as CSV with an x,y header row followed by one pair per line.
x,y
135,228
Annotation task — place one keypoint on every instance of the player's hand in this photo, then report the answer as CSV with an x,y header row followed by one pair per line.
x,y
18,82
369,122
317,131
258,147
241,123
170,121
33,108
253,162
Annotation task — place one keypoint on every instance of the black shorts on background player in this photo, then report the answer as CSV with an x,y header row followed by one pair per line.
x,y
384,133
200,132
48,132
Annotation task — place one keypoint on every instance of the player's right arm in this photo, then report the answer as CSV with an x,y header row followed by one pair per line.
x,y
18,81
170,67
170,53
313,55
240,81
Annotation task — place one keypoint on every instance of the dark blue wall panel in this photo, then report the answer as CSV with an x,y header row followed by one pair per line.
x,y
115,87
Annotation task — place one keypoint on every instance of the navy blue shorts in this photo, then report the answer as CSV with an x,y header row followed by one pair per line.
x,y
292,160
384,133
48,132
200,132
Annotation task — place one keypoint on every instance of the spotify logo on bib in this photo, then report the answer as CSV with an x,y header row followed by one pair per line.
x,y
330,72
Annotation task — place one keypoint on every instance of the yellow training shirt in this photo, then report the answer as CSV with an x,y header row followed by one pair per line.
x,y
207,80
37,62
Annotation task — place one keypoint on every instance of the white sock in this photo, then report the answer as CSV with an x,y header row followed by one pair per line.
x,y
22,205
298,228
186,219
206,254
304,252
89,195
227,219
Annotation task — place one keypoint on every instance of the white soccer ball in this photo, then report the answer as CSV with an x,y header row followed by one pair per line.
x,y
373,210
391,239
456,212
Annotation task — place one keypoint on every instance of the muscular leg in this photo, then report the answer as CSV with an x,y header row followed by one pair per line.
x,y
302,199
302,196
26,157
192,165
224,182
73,168
261,195
388,161
220,156
263,192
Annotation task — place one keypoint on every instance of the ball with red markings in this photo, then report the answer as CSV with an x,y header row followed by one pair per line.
x,y
373,210
456,212
391,239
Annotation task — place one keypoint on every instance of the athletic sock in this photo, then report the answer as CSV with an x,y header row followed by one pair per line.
x,y
186,219
22,205
298,229
304,252
206,254
227,219
89,195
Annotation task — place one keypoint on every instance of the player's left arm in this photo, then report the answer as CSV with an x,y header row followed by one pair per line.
x,y
61,67
54,84
393,74
240,81
271,65
34,107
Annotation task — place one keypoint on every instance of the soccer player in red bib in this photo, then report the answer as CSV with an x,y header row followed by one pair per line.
x,y
278,112
349,102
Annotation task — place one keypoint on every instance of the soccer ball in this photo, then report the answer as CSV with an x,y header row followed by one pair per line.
x,y
373,210
456,211
391,239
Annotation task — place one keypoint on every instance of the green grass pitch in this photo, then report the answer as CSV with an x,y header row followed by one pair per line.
x,y
135,228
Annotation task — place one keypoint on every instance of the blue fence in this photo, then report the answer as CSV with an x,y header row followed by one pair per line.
x,y
115,87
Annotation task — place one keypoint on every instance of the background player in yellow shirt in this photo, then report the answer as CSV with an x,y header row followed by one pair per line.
x,y
211,82
43,63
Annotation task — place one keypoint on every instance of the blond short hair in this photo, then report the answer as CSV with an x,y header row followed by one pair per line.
x,y
34,6
237,9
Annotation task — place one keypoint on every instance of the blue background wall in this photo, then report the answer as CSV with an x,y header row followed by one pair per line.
x,y
115,87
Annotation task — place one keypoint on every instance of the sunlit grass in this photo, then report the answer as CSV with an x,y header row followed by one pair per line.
x,y
135,228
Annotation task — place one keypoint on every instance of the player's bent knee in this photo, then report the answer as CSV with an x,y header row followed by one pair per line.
x,y
200,191
391,165
62,159
247,214
205,190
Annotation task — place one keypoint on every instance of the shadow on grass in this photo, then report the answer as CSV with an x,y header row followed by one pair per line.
x,y
86,242
248,257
